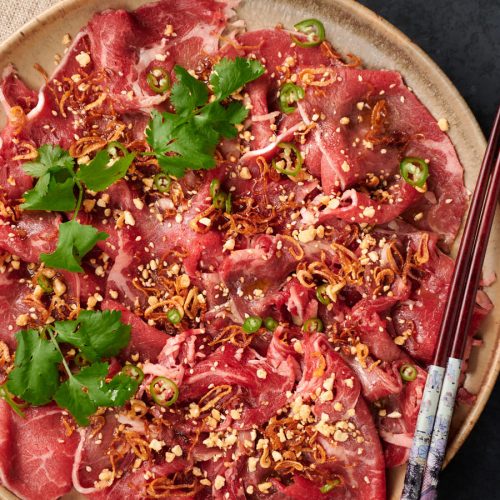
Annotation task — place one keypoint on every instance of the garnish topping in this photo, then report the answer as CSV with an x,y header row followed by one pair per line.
x,y
37,378
313,30
289,95
55,189
187,138
414,171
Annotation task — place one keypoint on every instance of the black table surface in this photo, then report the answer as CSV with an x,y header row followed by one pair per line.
x,y
463,38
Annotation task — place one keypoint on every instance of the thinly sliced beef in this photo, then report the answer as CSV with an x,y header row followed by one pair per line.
x,y
127,45
255,383
14,92
34,233
419,318
36,455
361,473
13,291
372,121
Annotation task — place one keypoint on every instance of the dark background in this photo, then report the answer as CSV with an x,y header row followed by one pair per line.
x,y
463,38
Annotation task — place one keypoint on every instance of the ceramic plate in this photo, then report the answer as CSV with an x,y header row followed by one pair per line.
x,y
352,29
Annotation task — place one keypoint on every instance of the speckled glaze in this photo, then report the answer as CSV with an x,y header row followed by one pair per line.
x,y
351,28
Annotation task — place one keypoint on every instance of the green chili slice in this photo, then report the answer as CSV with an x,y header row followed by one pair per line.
x,y
158,80
113,146
44,283
313,30
322,296
252,324
290,94
214,188
313,325
408,372
286,165
329,486
270,323
174,316
134,372
162,182
159,387
80,360
219,201
229,203
414,171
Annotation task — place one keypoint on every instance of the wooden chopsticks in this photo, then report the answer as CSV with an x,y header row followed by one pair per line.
x,y
438,401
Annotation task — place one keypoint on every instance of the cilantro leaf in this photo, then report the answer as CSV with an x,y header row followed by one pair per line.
x,y
98,334
221,119
84,392
101,172
35,376
188,93
188,138
229,75
75,241
54,189
51,192
50,159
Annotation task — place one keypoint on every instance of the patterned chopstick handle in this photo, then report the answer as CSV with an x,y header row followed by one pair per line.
x,y
423,431
437,450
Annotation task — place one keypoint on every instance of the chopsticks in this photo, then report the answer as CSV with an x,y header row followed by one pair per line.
x,y
436,410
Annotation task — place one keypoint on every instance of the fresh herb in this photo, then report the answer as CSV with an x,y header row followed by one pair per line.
x,y
104,169
58,180
37,377
75,241
98,334
187,138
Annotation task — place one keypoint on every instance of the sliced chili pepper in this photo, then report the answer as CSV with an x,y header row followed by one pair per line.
x,y
252,324
271,324
314,31
134,372
214,188
289,94
414,171
44,283
408,372
159,386
322,296
162,182
174,316
219,201
158,80
313,325
289,148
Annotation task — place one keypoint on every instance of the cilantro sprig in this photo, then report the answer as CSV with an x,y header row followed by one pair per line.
x,y
58,181
187,138
37,377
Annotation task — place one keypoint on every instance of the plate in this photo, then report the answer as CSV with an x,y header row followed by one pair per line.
x,y
351,28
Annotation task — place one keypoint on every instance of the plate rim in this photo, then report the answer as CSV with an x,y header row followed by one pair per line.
x,y
404,42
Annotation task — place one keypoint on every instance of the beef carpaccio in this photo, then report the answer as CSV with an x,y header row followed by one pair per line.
x,y
283,302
